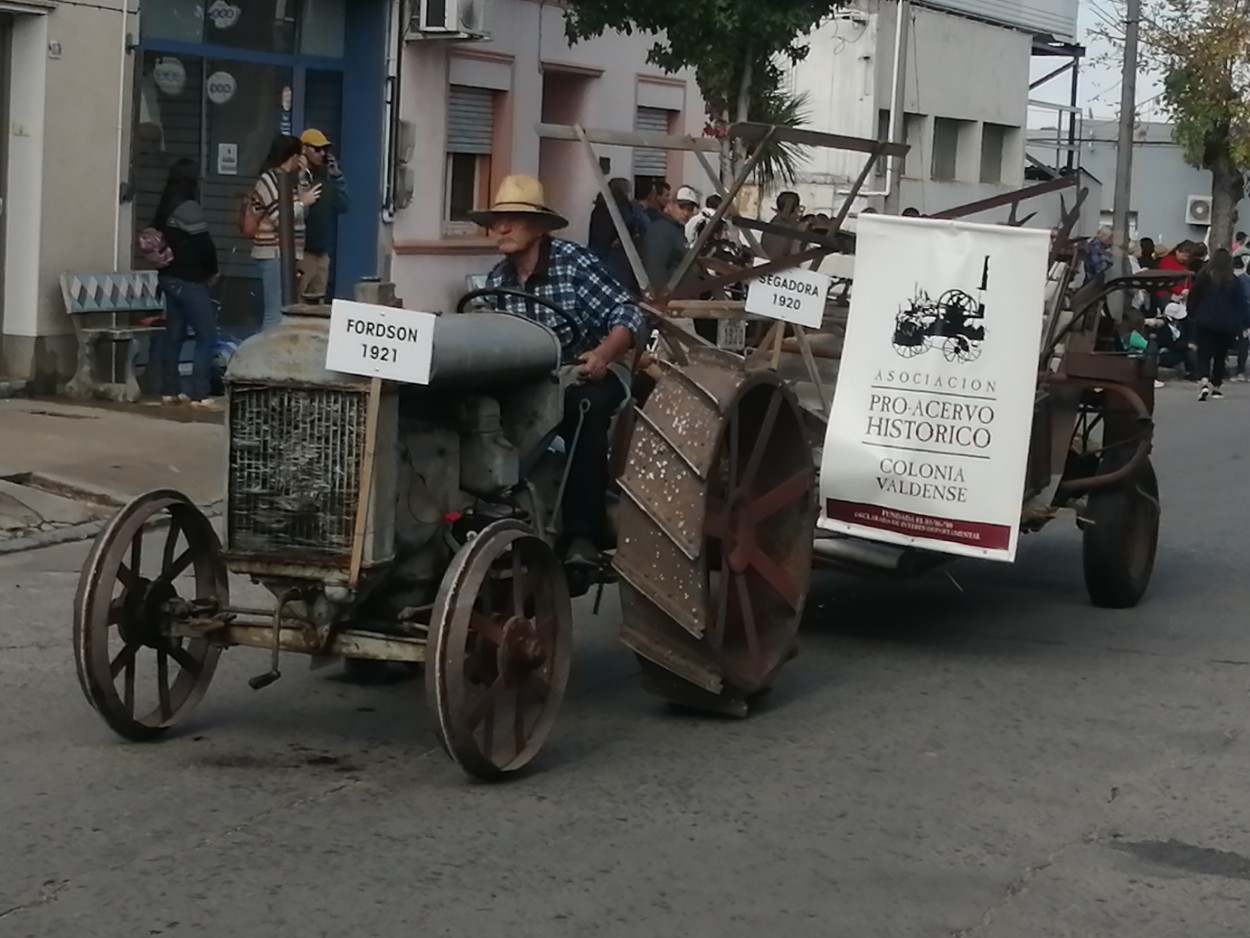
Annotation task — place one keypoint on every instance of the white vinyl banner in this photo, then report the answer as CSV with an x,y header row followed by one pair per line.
x,y
928,439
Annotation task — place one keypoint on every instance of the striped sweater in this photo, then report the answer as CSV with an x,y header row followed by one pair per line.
x,y
265,198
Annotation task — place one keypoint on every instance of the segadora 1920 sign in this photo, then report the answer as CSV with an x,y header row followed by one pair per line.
x,y
928,438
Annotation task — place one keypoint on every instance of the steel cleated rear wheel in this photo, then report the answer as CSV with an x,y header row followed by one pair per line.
x,y
716,524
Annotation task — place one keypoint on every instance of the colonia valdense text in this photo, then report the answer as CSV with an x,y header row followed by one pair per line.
x,y
934,482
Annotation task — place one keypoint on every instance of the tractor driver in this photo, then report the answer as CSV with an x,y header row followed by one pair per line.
x,y
571,278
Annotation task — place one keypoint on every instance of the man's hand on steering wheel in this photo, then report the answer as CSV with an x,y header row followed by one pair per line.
x,y
594,365
575,327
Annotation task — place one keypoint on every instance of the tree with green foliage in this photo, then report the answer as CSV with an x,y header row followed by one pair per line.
x,y
733,46
1201,50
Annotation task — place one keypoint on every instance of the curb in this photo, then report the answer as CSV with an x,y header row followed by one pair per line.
x,y
78,532
12,388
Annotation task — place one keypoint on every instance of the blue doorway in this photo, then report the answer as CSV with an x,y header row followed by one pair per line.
x,y
216,81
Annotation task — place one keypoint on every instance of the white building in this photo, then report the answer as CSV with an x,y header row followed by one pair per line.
x,y
966,89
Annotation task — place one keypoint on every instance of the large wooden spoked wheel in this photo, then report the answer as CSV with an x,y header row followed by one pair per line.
x,y
716,523
500,649
760,494
157,550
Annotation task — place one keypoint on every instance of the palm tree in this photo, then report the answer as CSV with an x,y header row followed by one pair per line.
x,y
781,106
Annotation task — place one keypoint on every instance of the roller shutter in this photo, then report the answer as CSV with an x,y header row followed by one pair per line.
x,y
651,162
470,119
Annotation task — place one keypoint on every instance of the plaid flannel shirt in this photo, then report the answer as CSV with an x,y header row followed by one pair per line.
x,y
572,278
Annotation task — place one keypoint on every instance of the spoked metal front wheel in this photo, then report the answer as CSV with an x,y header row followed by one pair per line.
x,y
157,553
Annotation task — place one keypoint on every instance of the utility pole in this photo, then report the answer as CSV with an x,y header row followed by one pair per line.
x,y
1128,114
898,99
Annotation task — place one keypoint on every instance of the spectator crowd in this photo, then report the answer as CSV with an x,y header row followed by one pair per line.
x,y
1200,322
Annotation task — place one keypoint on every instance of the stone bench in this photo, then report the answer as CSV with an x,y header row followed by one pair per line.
x,y
111,312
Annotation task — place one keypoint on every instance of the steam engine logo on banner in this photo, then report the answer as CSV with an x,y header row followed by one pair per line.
x,y
928,438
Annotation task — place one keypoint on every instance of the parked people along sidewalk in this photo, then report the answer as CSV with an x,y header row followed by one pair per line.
x,y
1242,345
259,220
324,170
185,279
1220,311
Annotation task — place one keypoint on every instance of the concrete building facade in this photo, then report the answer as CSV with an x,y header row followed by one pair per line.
x,y
99,99
965,92
66,84
1166,192
526,74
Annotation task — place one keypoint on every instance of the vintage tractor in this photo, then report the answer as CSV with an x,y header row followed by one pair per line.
x,y
417,523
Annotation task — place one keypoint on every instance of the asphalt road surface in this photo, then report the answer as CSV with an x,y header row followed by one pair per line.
x,y
983,756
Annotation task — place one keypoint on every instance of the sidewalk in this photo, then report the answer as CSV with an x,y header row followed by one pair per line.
x,y
64,468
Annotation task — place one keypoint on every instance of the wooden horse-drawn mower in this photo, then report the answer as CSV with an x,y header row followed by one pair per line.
x,y
1092,413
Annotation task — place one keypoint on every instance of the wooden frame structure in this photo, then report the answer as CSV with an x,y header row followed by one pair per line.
x,y
678,298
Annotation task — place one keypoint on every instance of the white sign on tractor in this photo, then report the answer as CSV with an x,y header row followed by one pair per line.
x,y
797,296
380,342
928,439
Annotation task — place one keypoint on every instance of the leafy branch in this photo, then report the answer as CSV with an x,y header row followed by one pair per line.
x,y
736,48
1202,50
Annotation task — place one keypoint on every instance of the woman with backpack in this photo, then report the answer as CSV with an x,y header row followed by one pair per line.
x,y
1221,314
189,270
258,219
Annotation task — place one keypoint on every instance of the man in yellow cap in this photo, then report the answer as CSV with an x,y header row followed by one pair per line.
x,y
314,267
599,324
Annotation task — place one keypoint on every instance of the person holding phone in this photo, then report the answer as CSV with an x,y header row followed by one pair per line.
x,y
285,156
324,170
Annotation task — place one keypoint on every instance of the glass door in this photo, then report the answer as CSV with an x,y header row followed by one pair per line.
x,y
246,104
223,114
218,80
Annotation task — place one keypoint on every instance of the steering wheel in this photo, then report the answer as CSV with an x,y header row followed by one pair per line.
x,y
575,327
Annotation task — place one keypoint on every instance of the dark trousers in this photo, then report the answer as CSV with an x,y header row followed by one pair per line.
x,y
1213,348
1242,348
188,305
583,510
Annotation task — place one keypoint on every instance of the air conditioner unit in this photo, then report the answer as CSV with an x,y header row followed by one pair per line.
x,y
456,20
1198,210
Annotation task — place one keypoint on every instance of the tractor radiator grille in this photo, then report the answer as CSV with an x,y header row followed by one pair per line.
x,y
294,475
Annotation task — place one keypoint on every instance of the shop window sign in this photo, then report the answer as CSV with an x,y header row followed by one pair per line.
x,y
284,27
223,14
170,75
270,26
221,87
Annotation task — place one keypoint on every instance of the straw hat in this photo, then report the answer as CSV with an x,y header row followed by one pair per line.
x,y
520,196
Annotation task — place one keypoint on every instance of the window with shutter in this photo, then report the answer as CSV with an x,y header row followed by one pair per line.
x,y
470,119
470,136
651,162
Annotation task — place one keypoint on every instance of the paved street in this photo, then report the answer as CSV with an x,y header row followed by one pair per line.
x,y
992,759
